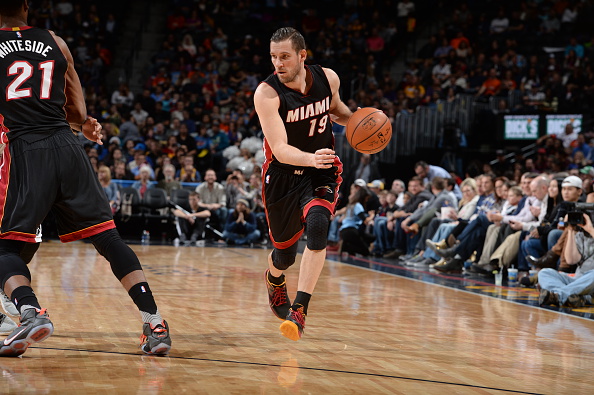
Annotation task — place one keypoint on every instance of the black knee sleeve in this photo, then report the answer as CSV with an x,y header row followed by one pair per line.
x,y
121,257
11,263
283,259
317,223
28,251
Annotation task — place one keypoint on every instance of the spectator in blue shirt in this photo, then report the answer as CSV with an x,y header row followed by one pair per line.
x,y
241,227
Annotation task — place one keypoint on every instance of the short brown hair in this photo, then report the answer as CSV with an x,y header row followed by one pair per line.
x,y
289,33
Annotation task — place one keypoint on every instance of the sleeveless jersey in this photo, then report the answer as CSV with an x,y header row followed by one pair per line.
x,y
306,117
32,81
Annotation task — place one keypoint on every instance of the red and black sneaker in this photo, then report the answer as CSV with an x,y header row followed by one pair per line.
x,y
278,298
293,326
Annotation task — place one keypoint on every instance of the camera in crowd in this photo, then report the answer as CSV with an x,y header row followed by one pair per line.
x,y
575,216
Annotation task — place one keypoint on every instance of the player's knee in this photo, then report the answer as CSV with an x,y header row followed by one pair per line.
x,y
284,259
318,221
121,257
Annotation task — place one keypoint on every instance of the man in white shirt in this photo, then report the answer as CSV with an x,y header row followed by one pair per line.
x,y
568,136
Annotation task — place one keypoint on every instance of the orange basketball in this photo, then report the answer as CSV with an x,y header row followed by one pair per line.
x,y
369,130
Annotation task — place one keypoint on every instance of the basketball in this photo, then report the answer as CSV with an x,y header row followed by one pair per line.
x,y
369,130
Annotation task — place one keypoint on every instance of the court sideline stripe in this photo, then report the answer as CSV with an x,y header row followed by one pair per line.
x,y
295,367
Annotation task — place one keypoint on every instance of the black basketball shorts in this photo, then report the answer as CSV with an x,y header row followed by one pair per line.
x,y
50,174
289,195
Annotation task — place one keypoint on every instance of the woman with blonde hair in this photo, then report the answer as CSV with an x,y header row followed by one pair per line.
x,y
111,189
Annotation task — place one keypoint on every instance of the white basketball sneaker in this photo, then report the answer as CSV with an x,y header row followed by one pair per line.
x,y
6,324
7,305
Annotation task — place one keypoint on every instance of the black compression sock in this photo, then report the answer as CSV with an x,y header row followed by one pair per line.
x,y
23,296
301,300
143,298
276,280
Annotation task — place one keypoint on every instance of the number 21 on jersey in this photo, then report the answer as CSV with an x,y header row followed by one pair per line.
x,y
23,70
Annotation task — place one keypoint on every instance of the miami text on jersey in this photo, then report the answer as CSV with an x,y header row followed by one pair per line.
x,y
308,111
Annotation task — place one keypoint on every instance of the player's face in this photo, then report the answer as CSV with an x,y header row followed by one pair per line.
x,y
286,61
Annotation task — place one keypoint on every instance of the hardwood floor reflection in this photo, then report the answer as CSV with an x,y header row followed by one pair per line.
x,y
367,332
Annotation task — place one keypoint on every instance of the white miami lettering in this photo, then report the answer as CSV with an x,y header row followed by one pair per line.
x,y
308,111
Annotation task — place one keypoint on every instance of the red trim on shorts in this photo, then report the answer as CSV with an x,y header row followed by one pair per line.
x,y
5,161
28,237
286,244
87,232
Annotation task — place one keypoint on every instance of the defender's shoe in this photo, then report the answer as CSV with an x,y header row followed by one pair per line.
x,y
278,299
7,305
155,340
35,327
293,326
6,324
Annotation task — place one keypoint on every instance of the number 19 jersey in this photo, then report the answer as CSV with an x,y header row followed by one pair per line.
x,y
32,77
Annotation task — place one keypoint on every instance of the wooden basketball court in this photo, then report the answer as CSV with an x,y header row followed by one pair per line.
x,y
367,332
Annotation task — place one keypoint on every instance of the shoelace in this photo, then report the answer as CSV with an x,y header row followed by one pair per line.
x,y
298,316
279,297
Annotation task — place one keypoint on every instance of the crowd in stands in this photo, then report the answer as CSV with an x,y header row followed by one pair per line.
x,y
496,225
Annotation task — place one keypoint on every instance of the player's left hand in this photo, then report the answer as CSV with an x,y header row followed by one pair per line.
x,y
324,158
91,129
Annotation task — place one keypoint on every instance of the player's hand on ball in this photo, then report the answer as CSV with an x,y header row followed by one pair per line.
x,y
92,130
324,158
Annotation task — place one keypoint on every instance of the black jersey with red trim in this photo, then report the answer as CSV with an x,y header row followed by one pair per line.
x,y
306,116
32,81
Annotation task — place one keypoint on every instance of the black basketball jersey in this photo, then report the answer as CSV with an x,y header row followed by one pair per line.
x,y
306,116
32,82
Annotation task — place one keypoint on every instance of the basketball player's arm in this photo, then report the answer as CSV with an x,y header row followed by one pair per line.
x,y
76,111
339,111
267,102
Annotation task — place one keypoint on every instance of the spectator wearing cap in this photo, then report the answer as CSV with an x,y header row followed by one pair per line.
x,y
561,289
376,186
241,227
115,140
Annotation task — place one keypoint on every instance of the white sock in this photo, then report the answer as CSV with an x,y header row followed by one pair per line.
x,y
153,319
26,307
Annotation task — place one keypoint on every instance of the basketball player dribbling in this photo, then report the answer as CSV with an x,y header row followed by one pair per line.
x,y
43,166
301,173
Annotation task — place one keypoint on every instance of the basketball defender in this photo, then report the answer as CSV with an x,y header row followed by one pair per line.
x,y
43,167
301,173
